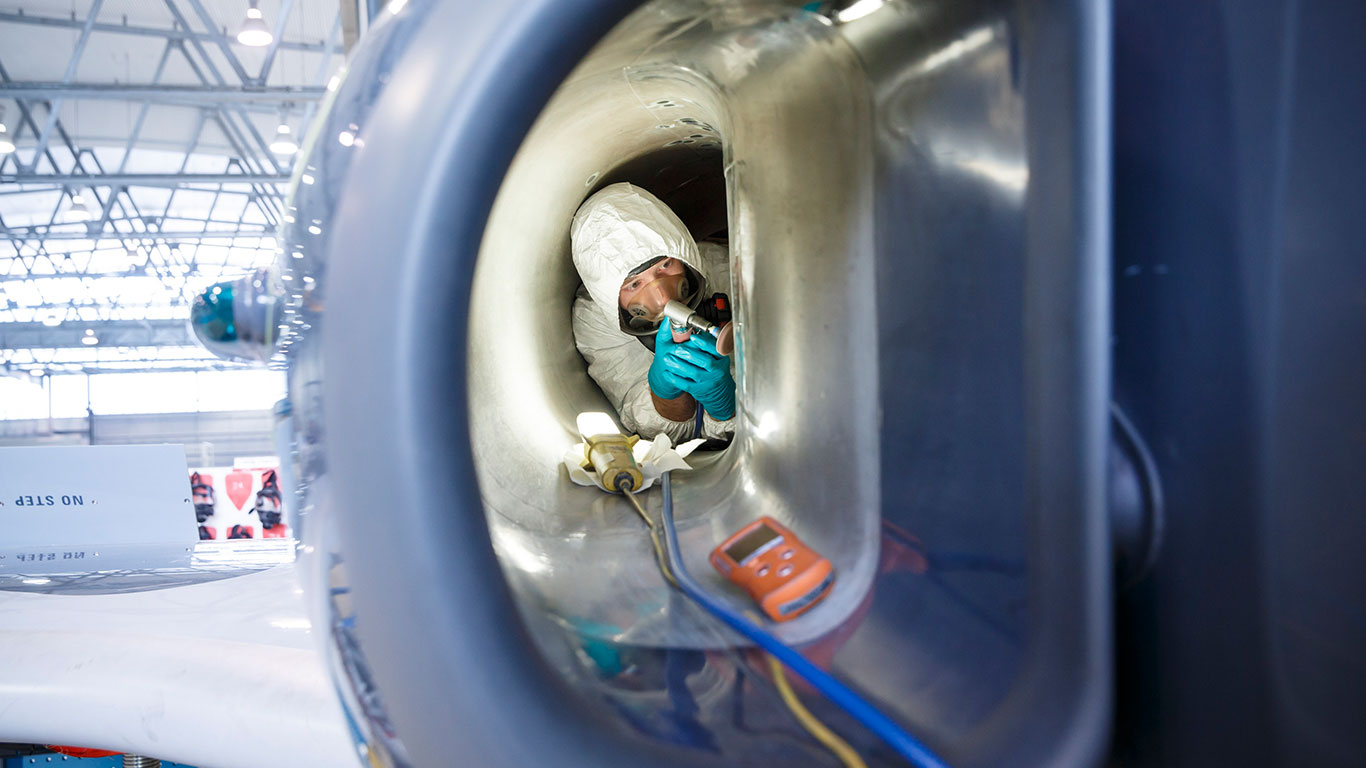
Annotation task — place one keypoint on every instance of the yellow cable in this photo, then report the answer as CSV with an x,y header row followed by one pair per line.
x,y
660,556
816,728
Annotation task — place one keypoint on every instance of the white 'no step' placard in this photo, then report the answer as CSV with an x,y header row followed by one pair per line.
x,y
66,506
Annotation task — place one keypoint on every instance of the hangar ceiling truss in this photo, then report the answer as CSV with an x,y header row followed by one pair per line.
x,y
130,191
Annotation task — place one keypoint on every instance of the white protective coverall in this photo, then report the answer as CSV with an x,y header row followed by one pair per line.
x,y
616,230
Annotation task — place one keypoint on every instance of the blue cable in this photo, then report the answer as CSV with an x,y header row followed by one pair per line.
x,y
838,693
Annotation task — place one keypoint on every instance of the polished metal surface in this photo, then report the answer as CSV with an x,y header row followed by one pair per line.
x,y
909,199
757,88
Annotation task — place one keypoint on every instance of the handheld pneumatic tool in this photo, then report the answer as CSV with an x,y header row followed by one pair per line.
x,y
684,321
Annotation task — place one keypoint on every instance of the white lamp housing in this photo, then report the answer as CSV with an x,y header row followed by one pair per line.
x,y
254,31
80,210
283,143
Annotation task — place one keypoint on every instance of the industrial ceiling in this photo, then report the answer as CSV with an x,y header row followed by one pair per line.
x,y
151,153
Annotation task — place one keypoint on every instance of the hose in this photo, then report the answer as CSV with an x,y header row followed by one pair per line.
x,y
838,693
818,730
660,556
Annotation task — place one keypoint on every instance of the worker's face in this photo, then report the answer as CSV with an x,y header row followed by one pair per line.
x,y
644,294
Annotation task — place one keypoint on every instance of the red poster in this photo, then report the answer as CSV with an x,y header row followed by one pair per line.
x,y
238,487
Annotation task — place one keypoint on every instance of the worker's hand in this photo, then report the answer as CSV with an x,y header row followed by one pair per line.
x,y
666,384
694,367
666,388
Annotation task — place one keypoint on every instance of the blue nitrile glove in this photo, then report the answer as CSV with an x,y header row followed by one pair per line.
x,y
664,382
698,369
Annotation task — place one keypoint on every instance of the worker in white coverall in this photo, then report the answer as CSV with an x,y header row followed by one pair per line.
x,y
634,254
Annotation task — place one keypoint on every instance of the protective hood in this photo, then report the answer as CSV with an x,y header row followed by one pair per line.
x,y
618,229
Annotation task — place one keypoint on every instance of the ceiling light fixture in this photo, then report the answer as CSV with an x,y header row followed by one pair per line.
x,y
284,143
254,31
80,210
6,146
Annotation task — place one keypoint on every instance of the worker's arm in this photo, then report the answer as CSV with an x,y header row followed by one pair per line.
x,y
681,408
620,366
694,367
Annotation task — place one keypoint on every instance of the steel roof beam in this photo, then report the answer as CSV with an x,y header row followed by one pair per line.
x,y
224,120
160,237
255,171
135,365
221,40
159,271
141,179
166,34
55,107
111,333
281,19
184,95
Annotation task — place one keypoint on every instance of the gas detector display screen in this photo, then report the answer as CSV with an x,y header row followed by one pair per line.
x,y
750,544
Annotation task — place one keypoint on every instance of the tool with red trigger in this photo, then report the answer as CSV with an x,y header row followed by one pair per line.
x,y
683,321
